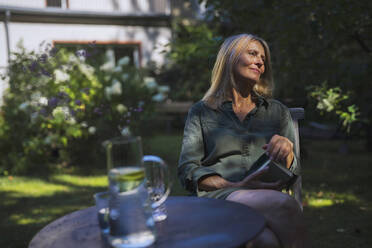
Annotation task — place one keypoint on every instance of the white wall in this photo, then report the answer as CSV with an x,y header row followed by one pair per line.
x,y
3,51
126,6
34,34
3,60
24,3
123,6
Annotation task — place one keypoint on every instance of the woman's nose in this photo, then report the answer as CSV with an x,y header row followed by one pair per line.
x,y
259,63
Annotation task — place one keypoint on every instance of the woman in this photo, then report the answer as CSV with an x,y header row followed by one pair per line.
x,y
226,132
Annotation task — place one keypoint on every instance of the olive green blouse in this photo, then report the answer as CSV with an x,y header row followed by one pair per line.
x,y
216,142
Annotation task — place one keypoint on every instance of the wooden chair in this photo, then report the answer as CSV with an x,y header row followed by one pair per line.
x,y
296,189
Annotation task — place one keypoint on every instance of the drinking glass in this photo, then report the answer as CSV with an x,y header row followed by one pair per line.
x,y
102,208
124,162
158,185
130,214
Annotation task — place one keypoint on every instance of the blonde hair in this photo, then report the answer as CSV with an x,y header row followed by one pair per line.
x,y
222,80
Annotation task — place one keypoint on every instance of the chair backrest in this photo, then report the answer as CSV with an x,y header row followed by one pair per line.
x,y
296,189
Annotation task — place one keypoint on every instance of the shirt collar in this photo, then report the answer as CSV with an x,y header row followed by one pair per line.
x,y
261,101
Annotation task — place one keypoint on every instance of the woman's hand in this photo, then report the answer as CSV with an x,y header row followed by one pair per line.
x,y
214,182
280,149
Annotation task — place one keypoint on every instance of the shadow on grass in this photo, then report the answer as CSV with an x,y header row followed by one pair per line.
x,y
23,217
337,195
339,225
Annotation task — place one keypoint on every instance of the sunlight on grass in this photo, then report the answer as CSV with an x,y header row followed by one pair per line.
x,y
91,181
320,202
21,219
326,199
23,186
19,188
40,215
32,187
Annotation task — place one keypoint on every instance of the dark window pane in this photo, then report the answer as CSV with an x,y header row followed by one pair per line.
x,y
54,3
125,51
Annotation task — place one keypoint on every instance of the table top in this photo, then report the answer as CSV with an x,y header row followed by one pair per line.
x,y
191,222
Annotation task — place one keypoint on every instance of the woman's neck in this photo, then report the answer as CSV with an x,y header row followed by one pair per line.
x,y
242,105
242,101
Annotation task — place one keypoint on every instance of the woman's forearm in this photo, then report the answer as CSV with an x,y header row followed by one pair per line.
x,y
214,182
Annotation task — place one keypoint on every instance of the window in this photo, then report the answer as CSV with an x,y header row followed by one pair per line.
x,y
131,51
57,3
95,52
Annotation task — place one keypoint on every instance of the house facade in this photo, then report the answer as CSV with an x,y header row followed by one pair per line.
x,y
135,28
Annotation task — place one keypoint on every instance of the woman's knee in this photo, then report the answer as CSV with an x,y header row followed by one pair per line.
x,y
282,212
266,239
266,201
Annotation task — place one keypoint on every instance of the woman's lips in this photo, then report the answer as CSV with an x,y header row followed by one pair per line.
x,y
256,70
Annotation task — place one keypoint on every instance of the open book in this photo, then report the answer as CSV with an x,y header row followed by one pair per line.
x,y
276,171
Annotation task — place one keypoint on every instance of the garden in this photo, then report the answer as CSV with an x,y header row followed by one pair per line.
x,y
337,201
62,104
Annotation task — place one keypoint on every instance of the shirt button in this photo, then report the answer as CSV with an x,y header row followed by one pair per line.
x,y
245,150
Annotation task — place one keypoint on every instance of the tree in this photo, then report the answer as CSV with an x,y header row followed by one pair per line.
x,y
312,41
192,54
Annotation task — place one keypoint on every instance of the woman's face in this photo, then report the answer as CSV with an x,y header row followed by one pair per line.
x,y
250,65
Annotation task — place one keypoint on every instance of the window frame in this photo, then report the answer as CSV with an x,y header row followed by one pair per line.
x,y
136,44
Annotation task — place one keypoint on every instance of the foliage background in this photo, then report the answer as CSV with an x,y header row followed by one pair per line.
x,y
58,105
311,41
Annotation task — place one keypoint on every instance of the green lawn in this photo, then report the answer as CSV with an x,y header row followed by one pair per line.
x,y
337,199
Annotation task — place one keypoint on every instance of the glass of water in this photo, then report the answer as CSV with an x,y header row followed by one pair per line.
x,y
130,214
124,162
102,208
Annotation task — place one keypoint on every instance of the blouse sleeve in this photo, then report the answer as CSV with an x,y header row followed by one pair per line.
x,y
190,169
287,130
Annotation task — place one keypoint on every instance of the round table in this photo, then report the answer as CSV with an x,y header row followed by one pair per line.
x,y
192,222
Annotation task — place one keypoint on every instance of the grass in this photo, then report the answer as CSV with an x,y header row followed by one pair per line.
x,y
338,200
28,204
337,196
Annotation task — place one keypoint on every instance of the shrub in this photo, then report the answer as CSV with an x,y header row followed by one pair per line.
x,y
333,100
58,109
